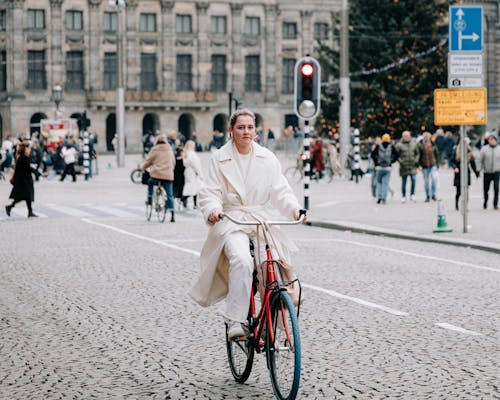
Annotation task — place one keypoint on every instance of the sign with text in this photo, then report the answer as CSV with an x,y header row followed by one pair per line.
x,y
460,106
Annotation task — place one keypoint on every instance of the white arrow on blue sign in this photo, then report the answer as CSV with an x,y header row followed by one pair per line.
x,y
466,28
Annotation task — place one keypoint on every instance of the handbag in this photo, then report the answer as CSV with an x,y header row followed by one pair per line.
x,y
145,177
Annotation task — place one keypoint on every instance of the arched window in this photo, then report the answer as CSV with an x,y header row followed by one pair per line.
x,y
187,125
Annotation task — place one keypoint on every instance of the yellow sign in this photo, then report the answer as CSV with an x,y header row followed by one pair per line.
x,y
460,106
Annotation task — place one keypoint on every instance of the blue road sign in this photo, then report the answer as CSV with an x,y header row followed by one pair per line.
x,y
466,28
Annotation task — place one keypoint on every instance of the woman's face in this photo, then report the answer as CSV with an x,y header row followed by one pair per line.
x,y
243,133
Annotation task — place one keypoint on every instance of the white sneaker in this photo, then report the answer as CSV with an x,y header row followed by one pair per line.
x,y
403,200
235,329
412,198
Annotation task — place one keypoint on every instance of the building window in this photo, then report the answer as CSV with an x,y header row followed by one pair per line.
x,y
3,71
110,71
110,22
252,75
36,19
183,23
320,31
289,30
184,75
3,20
219,73
36,70
148,72
288,75
148,22
252,26
218,24
74,70
74,20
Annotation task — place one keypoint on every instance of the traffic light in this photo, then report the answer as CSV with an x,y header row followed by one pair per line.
x,y
83,121
307,87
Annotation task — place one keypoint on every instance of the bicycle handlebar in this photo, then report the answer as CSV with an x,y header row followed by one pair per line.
x,y
302,214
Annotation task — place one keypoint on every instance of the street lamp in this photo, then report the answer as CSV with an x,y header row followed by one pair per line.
x,y
57,97
120,6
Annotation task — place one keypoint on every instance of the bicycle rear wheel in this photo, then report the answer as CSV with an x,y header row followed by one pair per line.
x,y
240,354
283,355
161,199
136,176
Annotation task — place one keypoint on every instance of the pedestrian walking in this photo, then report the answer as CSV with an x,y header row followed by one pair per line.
x,y
383,155
179,177
408,156
68,154
193,174
429,163
161,162
22,180
271,140
489,161
317,158
471,163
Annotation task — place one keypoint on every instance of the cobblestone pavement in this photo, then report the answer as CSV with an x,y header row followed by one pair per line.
x,y
97,308
93,305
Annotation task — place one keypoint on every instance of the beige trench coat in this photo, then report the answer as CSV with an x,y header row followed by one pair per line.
x,y
265,191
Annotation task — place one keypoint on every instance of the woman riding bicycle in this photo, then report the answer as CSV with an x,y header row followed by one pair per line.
x,y
161,163
245,180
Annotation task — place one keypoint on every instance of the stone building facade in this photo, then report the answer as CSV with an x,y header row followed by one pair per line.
x,y
181,60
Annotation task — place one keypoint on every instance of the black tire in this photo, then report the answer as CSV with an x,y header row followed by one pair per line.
x,y
160,200
240,356
293,174
283,355
136,176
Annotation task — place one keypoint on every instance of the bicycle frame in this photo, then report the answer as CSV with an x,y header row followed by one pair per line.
x,y
264,319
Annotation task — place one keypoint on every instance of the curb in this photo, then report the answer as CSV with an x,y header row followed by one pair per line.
x,y
370,230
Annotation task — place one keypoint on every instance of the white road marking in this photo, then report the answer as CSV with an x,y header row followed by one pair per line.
x,y
148,239
451,327
74,212
408,253
356,300
197,254
115,211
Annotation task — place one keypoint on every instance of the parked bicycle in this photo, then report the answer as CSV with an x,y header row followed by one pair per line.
x,y
273,329
158,203
295,173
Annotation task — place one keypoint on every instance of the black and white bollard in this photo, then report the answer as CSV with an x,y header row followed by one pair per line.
x,y
356,170
307,164
86,155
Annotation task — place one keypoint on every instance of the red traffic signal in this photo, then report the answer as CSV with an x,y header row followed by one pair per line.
x,y
307,70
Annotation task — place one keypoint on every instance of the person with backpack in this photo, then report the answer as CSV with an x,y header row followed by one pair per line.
x,y
383,155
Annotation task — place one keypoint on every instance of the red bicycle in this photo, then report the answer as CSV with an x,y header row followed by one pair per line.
x,y
273,329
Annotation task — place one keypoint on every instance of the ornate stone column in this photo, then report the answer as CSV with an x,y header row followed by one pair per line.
x,y
307,34
202,77
269,65
17,66
237,67
131,56
92,46
167,45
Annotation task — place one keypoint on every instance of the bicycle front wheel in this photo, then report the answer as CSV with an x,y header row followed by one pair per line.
x,y
283,355
293,174
136,176
161,199
240,354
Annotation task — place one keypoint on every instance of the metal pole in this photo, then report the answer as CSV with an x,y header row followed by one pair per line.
x,y
344,83
120,94
307,164
357,158
464,187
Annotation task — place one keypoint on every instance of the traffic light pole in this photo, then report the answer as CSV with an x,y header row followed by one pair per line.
x,y
307,163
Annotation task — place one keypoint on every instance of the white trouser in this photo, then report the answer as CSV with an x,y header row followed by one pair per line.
x,y
237,250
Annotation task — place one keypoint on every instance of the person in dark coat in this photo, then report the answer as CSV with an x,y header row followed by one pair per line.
x,y
22,179
471,163
179,177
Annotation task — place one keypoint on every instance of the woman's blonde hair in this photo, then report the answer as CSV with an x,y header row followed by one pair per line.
x,y
237,113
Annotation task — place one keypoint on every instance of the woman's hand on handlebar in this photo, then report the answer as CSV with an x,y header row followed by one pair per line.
x,y
215,215
298,213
